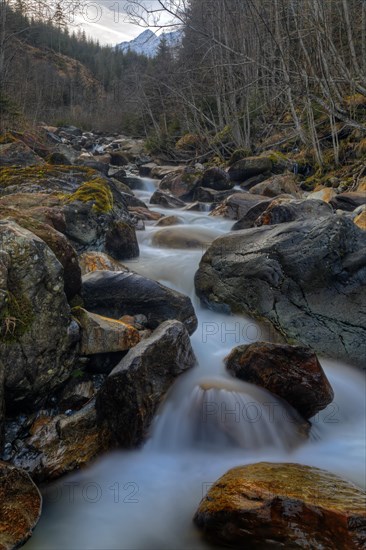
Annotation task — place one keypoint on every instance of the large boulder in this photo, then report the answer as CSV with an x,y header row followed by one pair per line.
x,y
180,184
216,178
20,507
292,372
135,388
37,332
115,294
249,167
283,211
57,445
121,241
57,242
269,505
102,335
307,278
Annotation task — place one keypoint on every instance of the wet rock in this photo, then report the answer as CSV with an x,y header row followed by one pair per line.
x,y
204,194
348,201
102,335
307,278
216,178
249,167
249,219
127,293
268,505
136,387
20,507
18,153
283,211
121,241
165,200
237,205
97,261
278,185
181,183
37,332
169,220
183,237
291,372
63,443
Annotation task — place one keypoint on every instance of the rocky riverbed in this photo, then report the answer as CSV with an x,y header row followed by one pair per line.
x,y
92,336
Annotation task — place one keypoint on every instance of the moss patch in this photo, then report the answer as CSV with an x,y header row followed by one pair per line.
x,y
15,317
18,176
96,191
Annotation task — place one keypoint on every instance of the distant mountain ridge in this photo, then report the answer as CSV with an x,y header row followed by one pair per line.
x,y
147,43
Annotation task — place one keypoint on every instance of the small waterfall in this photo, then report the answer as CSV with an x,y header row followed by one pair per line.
x,y
220,414
208,423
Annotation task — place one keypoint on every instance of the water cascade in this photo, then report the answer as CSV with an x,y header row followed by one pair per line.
x,y
209,422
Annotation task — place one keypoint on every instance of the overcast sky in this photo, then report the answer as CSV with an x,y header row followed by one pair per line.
x,y
107,21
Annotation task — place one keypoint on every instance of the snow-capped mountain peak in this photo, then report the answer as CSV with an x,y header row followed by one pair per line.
x,y
147,43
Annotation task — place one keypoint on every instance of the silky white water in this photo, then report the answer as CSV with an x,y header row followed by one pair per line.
x,y
209,422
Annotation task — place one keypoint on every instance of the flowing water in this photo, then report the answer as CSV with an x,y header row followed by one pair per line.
x,y
209,422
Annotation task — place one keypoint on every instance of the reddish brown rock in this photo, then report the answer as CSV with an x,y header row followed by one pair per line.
x,y
20,506
263,506
98,261
60,444
291,372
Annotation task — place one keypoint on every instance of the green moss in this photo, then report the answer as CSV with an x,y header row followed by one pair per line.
x,y
15,317
96,191
18,176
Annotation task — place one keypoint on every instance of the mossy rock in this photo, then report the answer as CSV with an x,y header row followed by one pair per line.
x,y
11,176
97,191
